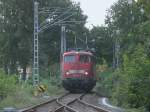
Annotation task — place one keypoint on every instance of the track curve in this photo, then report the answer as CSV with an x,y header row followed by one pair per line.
x,y
66,103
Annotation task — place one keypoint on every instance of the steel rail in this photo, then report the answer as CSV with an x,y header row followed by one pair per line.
x,y
32,108
65,105
62,104
79,100
93,106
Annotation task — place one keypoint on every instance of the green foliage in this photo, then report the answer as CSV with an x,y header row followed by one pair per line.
x,y
101,40
52,79
104,85
132,88
127,86
22,94
54,74
16,32
7,84
131,82
104,82
146,6
141,109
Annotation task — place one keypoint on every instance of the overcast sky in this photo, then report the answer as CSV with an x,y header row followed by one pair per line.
x,y
95,10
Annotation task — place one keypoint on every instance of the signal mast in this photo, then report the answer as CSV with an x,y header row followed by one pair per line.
x,y
56,17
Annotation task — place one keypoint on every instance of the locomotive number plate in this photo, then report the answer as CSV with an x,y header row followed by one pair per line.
x,y
76,71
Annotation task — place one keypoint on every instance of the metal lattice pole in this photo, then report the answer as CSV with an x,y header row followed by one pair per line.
x,y
63,39
49,22
63,44
36,47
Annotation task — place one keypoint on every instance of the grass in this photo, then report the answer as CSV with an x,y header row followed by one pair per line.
x,y
104,84
136,110
23,96
104,87
20,94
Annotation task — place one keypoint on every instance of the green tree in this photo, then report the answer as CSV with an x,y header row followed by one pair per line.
x,y
101,40
16,33
132,81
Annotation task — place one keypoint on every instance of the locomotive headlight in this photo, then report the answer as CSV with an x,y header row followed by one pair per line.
x,y
86,73
67,73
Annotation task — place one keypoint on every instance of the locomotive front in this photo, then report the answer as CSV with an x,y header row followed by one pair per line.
x,y
78,72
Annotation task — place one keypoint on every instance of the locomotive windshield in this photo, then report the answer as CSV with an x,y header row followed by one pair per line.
x,y
69,58
85,59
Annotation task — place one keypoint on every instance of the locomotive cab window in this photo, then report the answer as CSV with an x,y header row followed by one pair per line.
x,y
84,59
69,58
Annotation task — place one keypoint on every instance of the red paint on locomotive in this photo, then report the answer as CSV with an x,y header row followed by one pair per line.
x,y
78,66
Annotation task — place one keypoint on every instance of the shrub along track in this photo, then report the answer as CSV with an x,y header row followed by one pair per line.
x,y
66,103
97,100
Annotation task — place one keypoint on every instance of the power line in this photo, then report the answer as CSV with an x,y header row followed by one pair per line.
x,y
52,24
54,20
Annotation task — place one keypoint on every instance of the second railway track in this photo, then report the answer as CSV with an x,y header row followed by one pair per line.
x,y
66,103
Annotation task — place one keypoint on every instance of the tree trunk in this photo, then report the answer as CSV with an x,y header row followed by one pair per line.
x,y
24,73
6,68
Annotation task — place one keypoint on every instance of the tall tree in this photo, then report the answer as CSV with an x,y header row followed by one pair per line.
x,y
132,20
101,40
16,33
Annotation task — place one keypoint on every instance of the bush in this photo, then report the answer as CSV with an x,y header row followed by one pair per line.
x,y
132,88
22,93
129,86
7,84
104,84
104,76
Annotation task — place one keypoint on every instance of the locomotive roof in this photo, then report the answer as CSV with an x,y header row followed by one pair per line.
x,y
77,52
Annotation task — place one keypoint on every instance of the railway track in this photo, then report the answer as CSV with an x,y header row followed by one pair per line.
x,y
66,103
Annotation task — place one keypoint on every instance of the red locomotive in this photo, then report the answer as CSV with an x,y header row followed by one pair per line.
x,y
78,71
